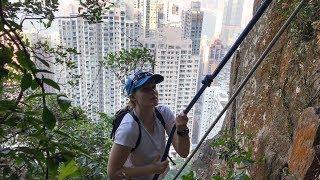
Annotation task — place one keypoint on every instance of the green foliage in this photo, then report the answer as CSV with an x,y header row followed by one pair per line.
x,y
231,151
51,83
301,26
48,118
174,169
125,61
42,135
67,170
235,158
189,176
64,104
68,136
6,54
92,9
26,81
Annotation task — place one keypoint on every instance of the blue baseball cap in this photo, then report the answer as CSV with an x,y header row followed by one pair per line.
x,y
139,79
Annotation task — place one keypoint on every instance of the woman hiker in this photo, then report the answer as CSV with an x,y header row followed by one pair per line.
x,y
139,141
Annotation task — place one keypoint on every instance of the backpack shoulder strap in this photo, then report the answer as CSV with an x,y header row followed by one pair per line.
x,y
117,121
139,137
160,117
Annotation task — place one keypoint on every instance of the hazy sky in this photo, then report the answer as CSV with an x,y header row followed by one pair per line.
x,y
212,9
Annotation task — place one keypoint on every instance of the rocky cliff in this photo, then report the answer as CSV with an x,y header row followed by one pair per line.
x,y
280,105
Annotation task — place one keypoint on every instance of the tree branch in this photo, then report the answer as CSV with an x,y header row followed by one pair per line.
x,y
40,82
56,17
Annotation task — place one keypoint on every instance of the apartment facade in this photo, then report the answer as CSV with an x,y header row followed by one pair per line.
x,y
90,84
192,25
231,23
174,60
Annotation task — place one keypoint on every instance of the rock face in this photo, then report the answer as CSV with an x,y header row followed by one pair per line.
x,y
206,160
304,158
280,104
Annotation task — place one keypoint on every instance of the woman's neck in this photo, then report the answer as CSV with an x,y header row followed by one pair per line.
x,y
145,113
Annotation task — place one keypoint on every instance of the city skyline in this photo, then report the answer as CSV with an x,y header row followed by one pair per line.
x,y
178,50
213,14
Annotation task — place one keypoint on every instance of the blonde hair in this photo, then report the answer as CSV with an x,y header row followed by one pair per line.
x,y
131,104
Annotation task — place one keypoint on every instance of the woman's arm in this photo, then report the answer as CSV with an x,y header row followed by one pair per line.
x,y
181,143
118,157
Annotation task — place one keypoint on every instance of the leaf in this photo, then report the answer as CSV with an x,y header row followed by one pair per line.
x,y
63,103
48,24
1,26
7,105
6,54
43,71
189,176
3,73
51,83
43,62
67,170
63,134
72,50
53,166
26,81
24,61
48,118
34,84
218,142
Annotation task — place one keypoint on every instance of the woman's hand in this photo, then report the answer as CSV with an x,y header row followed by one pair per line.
x,y
181,122
181,139
157,167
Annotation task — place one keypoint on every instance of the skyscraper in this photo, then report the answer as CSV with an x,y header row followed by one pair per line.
x,y
215,96
147,16
170,13
174,60
192,25
216,52
214,99
96,88
231,23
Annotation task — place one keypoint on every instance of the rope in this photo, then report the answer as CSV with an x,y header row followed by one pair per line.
x,y
262,57
207,81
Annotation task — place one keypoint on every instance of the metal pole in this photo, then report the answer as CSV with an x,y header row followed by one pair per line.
x,y
234,47
245,32
262,57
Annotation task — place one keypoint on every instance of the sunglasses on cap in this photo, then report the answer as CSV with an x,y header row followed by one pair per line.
x,y
138,77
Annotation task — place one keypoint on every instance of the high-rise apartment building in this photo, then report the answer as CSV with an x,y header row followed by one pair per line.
x,y
216,52
214,99
96,88
231,23
174,60
161,15
169,13
147,16
192,25
215,96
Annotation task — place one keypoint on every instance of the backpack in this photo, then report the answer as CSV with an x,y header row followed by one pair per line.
x,y
120,115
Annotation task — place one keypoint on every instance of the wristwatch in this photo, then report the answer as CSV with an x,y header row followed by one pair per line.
x,y
183,133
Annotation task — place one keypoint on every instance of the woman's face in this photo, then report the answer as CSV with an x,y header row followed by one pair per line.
x,y
147,95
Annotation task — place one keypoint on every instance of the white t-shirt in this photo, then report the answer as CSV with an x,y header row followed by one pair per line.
x,y
150,145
